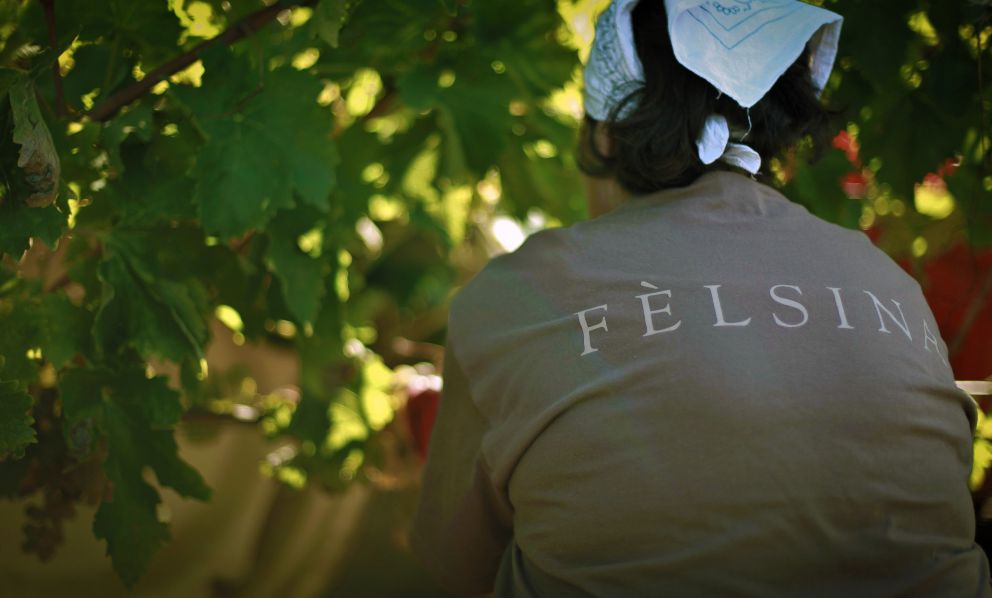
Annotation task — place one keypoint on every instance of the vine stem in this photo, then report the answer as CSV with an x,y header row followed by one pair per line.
x,y
243,28
60,106
975,307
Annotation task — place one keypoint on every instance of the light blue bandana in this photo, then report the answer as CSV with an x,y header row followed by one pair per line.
x,y
741,47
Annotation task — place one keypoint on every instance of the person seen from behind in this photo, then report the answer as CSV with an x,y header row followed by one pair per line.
x,y
704,390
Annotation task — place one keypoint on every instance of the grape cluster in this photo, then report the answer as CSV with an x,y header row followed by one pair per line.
x,y
52,481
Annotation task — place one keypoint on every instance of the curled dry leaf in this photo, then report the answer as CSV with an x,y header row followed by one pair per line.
x,y
37,157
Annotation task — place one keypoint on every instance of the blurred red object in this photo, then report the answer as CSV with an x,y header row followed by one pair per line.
x,y
421,409
948,168
958,287
845,142
875,234
855,185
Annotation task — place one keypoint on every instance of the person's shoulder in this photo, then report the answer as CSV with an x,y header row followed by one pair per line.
x,y
537,250
855,246
537,253
539,261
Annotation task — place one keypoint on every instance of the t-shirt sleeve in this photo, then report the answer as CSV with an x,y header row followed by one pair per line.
x,y
462,523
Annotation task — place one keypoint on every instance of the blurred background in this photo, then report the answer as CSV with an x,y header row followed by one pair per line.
x,y
230,231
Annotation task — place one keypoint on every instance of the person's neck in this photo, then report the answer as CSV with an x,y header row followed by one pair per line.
x,y
603,195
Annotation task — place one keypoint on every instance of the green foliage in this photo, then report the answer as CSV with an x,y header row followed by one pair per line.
x,y
15,421
136,416
30,165
37,160
141,308
328,19
307,184
319,189
264,140
907,80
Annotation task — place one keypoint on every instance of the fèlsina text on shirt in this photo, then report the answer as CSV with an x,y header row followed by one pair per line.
x,y
785,310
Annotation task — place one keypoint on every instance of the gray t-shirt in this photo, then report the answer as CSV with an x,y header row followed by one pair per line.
x,y
706,392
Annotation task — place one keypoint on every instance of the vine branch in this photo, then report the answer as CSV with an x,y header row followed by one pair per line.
x,y
60,106
240,30
971,314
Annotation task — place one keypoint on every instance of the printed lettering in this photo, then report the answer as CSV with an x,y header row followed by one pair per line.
x,y
840,309
928,338
649,328
789,303
586,328
718,308
880,307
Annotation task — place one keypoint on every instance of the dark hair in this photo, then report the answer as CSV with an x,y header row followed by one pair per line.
x,y
654,147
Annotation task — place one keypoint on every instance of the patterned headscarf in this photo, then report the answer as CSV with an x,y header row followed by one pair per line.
x,y
741,47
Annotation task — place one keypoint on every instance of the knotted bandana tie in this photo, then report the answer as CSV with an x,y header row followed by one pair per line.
x,y
741,47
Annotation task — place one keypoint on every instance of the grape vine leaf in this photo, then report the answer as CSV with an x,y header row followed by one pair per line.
x,y
137,416
29,169
16,423
37,160
64,329
95,71
521,36
302,131
547,183
156,188
311,419
474,126
418,86
262,142
328,18
145,310
137,121
301,275
149,27
20,328
887,137
21,223
387,34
